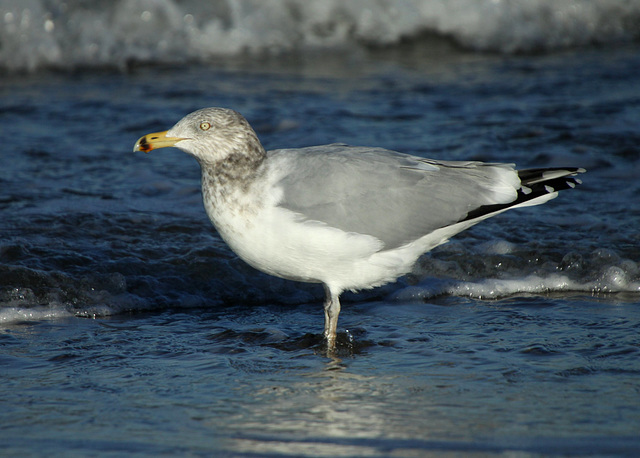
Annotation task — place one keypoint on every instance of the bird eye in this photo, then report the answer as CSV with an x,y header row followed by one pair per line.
x,y
205,125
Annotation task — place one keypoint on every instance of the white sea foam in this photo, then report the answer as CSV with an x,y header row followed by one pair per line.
x,y
602,274
63,34
9,315
614,280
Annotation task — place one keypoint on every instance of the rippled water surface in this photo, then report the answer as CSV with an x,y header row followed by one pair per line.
x,y
127,326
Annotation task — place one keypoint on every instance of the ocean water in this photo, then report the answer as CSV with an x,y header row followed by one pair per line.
x,y
128,327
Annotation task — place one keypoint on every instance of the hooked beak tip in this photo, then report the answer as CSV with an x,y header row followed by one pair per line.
x,y
156,140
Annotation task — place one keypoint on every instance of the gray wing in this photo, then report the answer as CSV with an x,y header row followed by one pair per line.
x,y
392,196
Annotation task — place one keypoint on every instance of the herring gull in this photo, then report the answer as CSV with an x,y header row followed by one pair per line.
x,y
348,217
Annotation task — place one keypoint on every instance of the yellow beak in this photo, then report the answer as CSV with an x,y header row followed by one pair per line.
x,y
154,141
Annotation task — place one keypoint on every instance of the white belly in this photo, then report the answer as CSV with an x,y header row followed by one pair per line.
x,y
278,242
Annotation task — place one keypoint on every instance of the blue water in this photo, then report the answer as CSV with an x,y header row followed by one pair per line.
x,y
127,326
538,375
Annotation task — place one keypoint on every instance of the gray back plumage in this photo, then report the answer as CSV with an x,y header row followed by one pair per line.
x,y
391,196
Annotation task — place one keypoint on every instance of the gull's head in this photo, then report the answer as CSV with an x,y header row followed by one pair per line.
x,y
211,135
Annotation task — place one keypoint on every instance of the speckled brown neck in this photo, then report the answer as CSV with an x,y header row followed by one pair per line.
x,y
231,177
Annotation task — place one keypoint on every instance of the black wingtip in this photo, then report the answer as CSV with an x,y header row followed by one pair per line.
x,y
534,183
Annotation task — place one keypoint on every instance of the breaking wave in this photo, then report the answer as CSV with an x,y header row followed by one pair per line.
x,y
495,271
37,34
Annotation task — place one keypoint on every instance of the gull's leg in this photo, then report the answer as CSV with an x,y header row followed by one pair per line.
x,y
331,312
